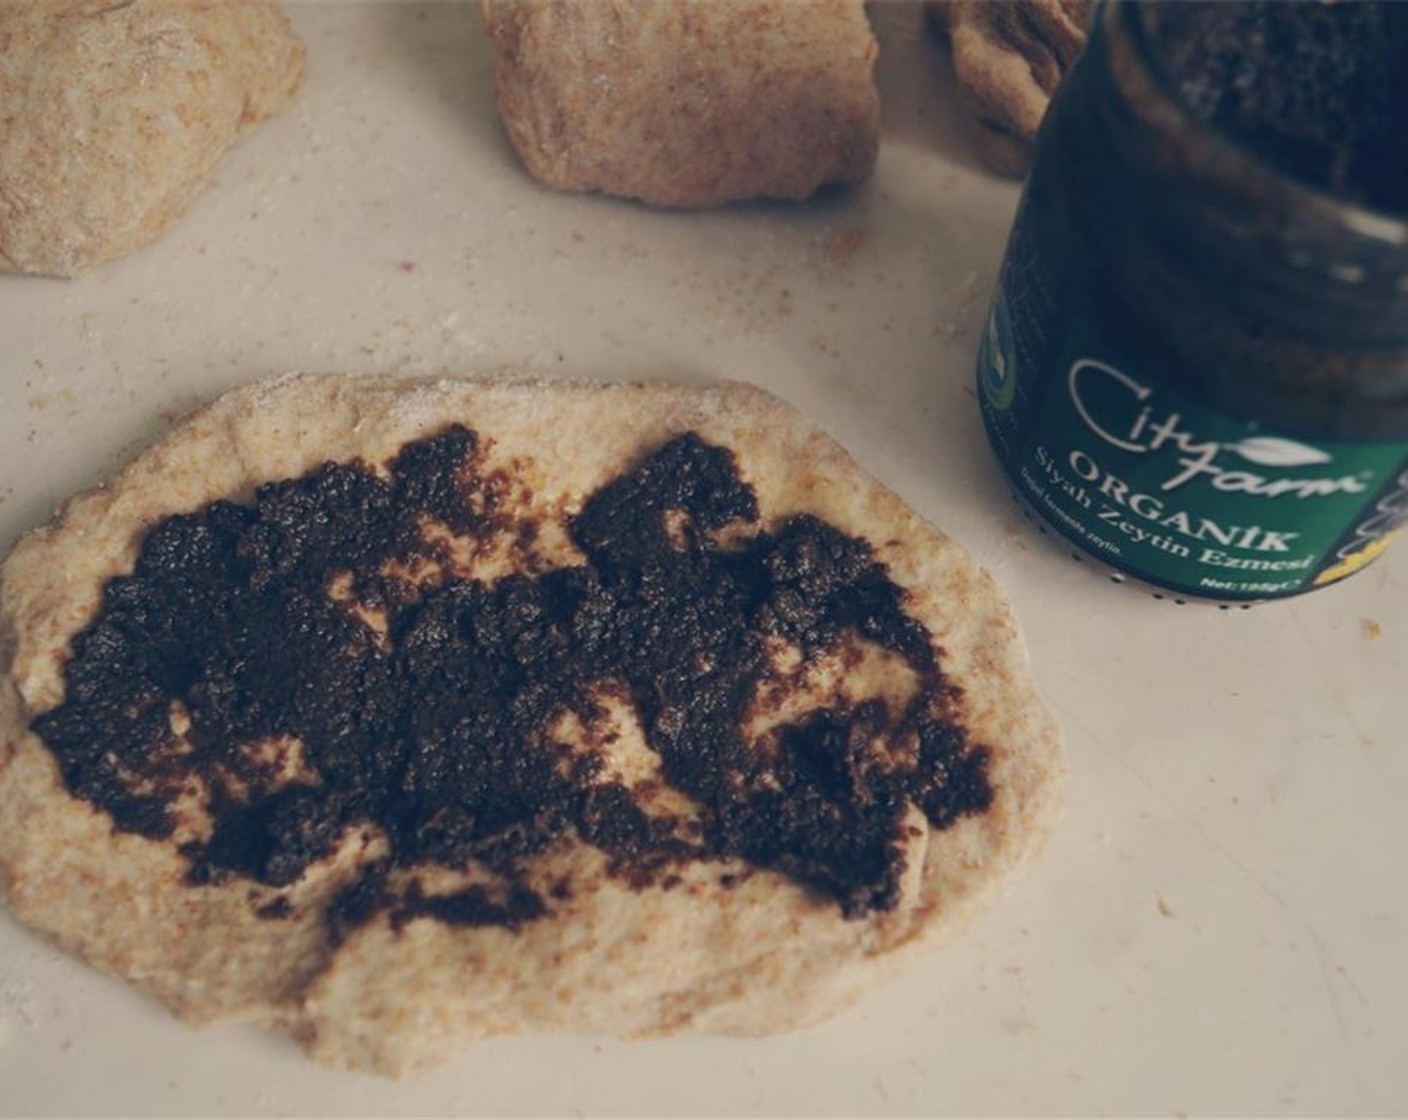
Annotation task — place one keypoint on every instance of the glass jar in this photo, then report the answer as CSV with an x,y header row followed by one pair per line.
x,y
1196,366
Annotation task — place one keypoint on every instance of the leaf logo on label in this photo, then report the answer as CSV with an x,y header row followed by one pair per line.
x,y
1269,451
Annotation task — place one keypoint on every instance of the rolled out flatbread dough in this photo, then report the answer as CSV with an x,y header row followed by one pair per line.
x,y
631,708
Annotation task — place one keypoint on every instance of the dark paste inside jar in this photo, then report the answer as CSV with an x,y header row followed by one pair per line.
x,y
279,670
1317,90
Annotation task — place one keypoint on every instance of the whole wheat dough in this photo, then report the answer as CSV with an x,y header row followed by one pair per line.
x,y
113,116
682,104
720,944
1009,57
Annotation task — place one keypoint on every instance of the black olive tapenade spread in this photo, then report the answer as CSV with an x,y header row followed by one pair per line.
x,y
247,626
1320,91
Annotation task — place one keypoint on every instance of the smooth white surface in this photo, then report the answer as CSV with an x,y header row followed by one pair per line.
x,y
1219,927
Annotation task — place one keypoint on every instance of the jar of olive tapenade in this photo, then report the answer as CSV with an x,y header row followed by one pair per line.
x,y
1196,363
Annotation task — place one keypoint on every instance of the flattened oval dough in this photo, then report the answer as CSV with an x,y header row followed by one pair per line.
x,y
759,955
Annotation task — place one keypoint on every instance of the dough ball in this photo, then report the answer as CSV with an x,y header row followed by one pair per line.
x,y
114,115
684,104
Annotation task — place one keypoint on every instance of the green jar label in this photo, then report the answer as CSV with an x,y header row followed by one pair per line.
x,y
1159,484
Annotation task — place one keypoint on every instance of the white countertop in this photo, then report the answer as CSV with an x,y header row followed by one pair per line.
x,y
1219,927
